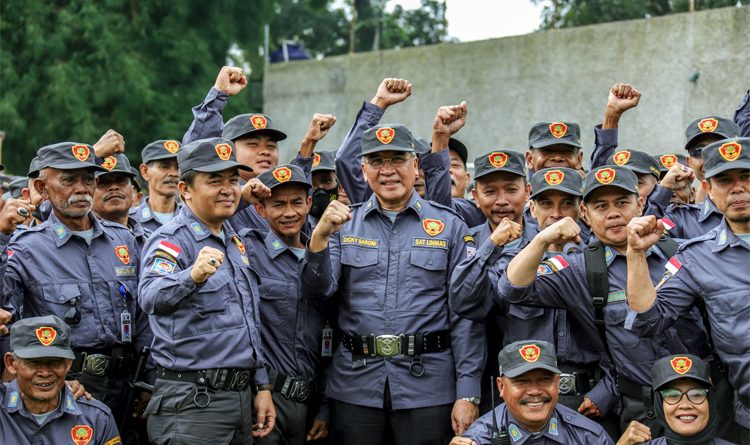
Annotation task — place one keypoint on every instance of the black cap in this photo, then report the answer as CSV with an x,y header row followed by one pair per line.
x,y
544,134
509,161
459,147
39,337
161,149
682,366
562,179
667,160
526,355
324,161
395,137
728,154
247,124
34,168
67,156
118,163
208,156
638,161
610,175
284,174
711,125
16,186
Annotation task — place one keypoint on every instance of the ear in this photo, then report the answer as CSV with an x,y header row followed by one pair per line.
x,y
583,214
532,209
309,203
706,185
529,160
184,190
474,194
528,192
500,385
260,209
10,364
144,171
641,202
41,188
580,159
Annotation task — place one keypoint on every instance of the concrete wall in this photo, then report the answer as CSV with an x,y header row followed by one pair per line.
x,y
512,82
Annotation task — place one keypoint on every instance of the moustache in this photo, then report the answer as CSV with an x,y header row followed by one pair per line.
x,y
170,181
114,196
80,198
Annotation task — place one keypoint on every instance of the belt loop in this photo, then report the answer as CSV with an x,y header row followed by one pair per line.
x,y
410,348
419,347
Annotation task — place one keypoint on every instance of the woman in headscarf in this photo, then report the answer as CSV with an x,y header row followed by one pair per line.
x,y
683,402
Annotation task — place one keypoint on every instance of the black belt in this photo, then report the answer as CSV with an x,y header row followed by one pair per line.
x,y
392,345
576,380
117,361
293,388
228,379
637,391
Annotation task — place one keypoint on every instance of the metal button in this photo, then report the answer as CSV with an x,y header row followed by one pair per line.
x,y
394,231
562,333
62,298
393,257
356,259
429,261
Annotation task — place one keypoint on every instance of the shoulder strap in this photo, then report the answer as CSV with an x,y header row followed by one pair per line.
x,y
597,280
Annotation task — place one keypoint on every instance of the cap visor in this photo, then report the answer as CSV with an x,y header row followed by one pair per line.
x,y
102,173
45,351
548,142
513,373
499,170
588,193
697,137
75,166
674,377
274,134
160,157
567,190
220,166
724,166
323,168
291,181
388,148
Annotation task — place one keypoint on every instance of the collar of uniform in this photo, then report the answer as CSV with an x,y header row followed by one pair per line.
x,y
415,203
519,436
276,247
62,233
725,237
610,254
199,230
144,211
707,210
13,402
135,227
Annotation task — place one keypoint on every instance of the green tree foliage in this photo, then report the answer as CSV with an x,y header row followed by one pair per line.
x,y
71,69
570,13
325,30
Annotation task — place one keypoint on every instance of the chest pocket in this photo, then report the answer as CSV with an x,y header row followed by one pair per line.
x,y
729,313
278,305
524,322
62,299
626,346
360,271
210,298
427,271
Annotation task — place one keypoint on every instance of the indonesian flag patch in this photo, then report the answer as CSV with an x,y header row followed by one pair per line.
x,y
169,248
673,265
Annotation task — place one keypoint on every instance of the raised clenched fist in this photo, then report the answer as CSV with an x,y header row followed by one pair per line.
x,y
230,80
391,91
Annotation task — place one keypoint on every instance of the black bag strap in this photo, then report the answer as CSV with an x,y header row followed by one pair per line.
x,y
668,246
597,280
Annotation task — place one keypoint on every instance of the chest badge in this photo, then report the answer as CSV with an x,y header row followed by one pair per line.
x,y
433,227
81,434
123,254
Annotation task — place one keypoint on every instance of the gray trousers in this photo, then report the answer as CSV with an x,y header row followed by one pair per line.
x,y
174,418
291,423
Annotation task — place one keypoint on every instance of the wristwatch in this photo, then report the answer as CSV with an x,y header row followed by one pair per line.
x,y
473,400
264,387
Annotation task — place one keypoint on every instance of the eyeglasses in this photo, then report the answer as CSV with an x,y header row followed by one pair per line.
x,y
396,161
672,396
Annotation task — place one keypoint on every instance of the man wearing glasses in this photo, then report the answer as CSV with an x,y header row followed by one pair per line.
x,y
406,363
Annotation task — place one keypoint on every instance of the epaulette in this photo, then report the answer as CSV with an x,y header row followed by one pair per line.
x,y
93,404
574,418
443,207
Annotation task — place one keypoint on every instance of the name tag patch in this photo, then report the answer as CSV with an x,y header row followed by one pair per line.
x,y
371,243
427,242
125,271
616,296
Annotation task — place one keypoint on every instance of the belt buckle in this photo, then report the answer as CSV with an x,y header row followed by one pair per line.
x,y
567,384
387,345
242,380
300,391
96,364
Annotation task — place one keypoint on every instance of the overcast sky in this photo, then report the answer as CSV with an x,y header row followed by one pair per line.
x,y
485,19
